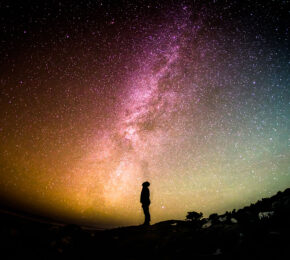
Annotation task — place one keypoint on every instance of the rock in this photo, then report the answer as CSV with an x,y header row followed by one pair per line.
x,y
207,224
234,221
266,214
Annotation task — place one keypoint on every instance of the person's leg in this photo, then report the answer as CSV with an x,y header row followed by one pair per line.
x,y
147,214
144,211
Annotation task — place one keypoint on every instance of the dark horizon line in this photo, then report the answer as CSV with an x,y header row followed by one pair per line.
x,y
36,217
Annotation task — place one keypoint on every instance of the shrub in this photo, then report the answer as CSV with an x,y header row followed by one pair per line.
x,y
194,216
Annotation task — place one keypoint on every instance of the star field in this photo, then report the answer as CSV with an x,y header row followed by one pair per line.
x,y
99,96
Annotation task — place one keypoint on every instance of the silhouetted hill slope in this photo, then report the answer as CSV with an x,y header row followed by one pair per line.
x,y
257,231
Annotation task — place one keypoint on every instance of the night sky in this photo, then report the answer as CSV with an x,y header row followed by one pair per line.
x,y
97,97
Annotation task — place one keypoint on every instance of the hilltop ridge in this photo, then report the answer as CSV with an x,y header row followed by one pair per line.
x,y
258,230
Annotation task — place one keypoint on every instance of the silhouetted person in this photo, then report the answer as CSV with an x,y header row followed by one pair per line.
x,y
145,200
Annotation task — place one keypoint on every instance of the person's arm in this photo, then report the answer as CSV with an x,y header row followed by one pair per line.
x,y
149,196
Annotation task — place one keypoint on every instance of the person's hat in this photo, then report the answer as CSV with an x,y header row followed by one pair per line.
x,y
146,184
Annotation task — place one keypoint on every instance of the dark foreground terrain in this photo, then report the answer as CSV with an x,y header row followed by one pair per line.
x,y
255,232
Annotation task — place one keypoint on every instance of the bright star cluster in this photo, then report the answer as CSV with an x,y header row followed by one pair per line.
x,y
99,96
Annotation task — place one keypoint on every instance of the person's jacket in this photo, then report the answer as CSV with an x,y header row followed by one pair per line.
x,y
145,196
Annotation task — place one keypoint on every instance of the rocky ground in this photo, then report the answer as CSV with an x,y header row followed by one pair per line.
x,y
256,232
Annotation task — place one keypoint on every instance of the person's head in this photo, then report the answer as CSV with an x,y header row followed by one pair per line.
x,y
146,184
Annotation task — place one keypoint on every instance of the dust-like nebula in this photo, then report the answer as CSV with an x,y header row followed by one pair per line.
x,y
99,96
